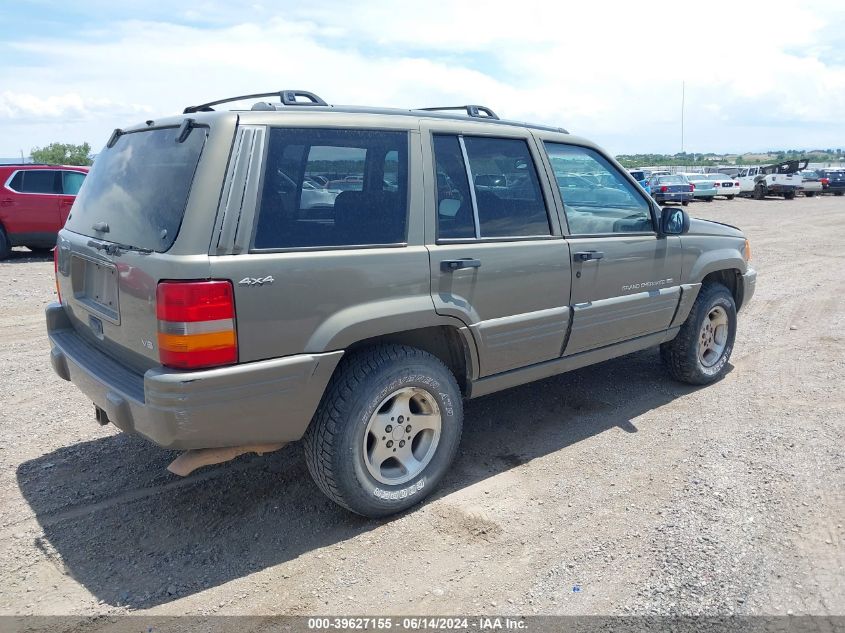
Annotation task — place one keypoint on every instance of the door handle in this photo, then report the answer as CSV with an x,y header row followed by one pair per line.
x,y
585,256
449,265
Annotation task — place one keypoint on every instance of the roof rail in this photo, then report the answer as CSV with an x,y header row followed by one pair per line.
x,y
287,97
471,110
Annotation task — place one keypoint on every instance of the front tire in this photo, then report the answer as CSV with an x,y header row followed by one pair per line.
x,y
5,245
699,354
386,431
759,192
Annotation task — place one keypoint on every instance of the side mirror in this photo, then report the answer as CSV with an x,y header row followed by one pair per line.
x,y
674,221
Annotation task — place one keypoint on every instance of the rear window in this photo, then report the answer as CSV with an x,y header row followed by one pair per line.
x,y
672,180
140,188
331,187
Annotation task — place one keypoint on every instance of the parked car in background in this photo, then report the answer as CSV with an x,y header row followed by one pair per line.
x,y
34,203
671,188
641,176
779,179
704,188
725,185
836,180
811,182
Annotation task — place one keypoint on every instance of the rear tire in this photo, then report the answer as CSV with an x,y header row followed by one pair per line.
x,y
709,199
730,197
809,194
5,246
386,431
789,195
685,202
759,192
699,354
838,193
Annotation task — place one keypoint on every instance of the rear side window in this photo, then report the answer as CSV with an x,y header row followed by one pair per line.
x,y
140,188
506,190
455,215
35,181
16,183
329,187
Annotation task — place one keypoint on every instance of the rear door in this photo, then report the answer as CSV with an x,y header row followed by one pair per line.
x,y
625,277
498,260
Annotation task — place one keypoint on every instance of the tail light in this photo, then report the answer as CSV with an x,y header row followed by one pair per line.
x,y
664,189
716,184
825,182
196,324
692,187
56,271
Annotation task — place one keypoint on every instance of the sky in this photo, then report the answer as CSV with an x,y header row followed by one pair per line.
x,y
756,75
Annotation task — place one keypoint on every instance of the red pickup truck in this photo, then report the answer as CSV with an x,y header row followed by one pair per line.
x,y
34,203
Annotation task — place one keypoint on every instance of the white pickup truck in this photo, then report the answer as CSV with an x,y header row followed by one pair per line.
x,y
781,179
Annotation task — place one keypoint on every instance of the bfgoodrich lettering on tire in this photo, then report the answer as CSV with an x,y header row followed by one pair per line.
x,y
700,352
386,430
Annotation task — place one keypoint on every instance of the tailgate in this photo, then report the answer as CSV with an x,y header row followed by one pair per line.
x,y
120,238
110,299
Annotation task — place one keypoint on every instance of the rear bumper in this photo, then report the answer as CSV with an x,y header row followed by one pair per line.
x,y
778,188
749,285
668,196
251,403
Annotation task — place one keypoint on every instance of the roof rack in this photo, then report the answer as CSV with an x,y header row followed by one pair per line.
x,y
287,97
471,110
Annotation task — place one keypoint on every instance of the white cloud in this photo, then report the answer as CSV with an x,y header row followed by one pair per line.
x,y
23,107
610,72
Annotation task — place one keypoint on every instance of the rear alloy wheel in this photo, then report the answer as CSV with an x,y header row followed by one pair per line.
x,y
700,352
386,431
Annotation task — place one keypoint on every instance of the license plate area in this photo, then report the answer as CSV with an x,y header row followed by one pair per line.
x,y
95,286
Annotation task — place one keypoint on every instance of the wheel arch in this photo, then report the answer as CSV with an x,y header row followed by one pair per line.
x,y
452,345
730,278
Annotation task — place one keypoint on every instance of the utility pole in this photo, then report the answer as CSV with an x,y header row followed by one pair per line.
x,y
683,95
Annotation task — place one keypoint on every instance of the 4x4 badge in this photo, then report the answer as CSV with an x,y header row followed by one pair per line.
x,y
256,281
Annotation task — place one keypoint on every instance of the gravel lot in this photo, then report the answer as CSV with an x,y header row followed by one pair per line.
x,y
609,490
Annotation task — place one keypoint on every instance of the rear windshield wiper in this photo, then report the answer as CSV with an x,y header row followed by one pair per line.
x,y
116,248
